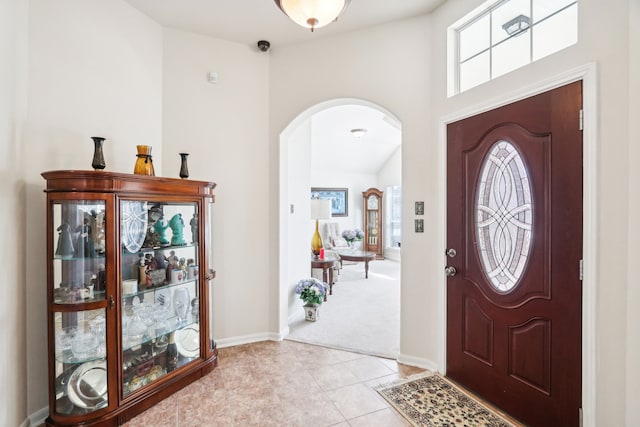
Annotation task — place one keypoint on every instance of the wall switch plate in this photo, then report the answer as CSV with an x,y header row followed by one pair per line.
x,y
212,77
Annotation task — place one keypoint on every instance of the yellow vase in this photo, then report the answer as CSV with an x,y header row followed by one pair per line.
x,y
144,163
316,242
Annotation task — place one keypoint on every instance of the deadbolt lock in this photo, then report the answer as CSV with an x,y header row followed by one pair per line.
x,y
451,252
450,271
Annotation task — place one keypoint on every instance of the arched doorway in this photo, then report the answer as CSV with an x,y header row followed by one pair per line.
x,y
317,149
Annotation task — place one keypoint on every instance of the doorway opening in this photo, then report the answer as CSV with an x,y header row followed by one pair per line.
x,y
319,150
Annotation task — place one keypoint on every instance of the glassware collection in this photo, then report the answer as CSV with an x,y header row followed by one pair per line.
x,y
159,283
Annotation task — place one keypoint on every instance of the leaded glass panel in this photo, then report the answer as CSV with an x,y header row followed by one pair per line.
x,y
504,216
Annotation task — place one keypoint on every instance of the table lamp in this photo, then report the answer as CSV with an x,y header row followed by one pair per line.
x,y
320,209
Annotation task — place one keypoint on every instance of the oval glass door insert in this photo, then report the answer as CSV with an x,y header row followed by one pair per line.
x,y
504,216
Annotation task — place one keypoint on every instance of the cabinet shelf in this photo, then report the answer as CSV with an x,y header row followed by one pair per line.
x,y
157,289
68,358
126,328
144,250
67,297
72,258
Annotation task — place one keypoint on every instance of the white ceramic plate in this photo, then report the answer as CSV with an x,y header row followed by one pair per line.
x,y
133,224
188,340
87,386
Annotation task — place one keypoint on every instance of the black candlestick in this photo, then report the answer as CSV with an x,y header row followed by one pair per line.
x,y
184,170
98,158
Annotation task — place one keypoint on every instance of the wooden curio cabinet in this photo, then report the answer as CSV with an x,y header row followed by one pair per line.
x,y
373,226
129,292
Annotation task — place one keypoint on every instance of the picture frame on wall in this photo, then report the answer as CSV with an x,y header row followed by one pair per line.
x,y
339,199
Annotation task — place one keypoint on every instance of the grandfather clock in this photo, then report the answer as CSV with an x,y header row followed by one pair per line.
x,y
373,241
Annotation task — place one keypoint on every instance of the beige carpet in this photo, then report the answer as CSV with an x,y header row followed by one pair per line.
x,y
362,315
432,400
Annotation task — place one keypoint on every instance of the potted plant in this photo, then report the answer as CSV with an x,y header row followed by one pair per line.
x,y
312,292
352,236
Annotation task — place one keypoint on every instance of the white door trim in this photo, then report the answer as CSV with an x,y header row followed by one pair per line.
x,y
588,74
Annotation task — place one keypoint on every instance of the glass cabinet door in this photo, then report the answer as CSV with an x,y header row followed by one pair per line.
x,y
159,290
79,284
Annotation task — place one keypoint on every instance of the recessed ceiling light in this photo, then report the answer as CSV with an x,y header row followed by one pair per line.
x,y
358,133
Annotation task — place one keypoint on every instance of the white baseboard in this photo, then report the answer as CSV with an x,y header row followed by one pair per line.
x,y
37,418
419,362
392,254
248,339
283,333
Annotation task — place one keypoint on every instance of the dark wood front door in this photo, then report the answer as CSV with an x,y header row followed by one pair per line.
x,y
514,220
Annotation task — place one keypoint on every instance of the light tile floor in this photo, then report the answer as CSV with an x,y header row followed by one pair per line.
x,y
284,384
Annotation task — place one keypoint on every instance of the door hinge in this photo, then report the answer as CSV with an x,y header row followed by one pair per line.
x,y
581,124
581,269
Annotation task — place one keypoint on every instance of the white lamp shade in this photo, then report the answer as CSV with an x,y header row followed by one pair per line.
x,y
302,12
320,209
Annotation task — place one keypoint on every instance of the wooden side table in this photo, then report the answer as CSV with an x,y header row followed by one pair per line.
x,y
358,256
327,266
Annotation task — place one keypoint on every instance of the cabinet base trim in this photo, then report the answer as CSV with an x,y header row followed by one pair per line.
x,y
146,400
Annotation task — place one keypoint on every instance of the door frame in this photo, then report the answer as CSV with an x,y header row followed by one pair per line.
x,y
588,74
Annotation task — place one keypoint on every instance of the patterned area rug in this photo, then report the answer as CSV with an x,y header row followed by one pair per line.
x,y
434,401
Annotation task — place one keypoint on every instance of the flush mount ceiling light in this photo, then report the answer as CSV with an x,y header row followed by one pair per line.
x,y
312,13
517,25
358,133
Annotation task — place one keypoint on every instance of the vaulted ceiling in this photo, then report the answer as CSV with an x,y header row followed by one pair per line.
x,y
247,21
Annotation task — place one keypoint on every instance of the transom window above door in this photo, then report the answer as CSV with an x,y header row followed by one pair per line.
x,y
499,37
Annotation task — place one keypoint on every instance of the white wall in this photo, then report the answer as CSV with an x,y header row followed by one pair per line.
x,y
391,172
225,127
609,48
13,112
633,296
94,70
295,176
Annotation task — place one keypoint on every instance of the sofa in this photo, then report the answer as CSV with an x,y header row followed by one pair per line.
x,y
332,238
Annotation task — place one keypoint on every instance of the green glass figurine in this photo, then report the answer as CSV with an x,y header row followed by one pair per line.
x,y
177,226
161,228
